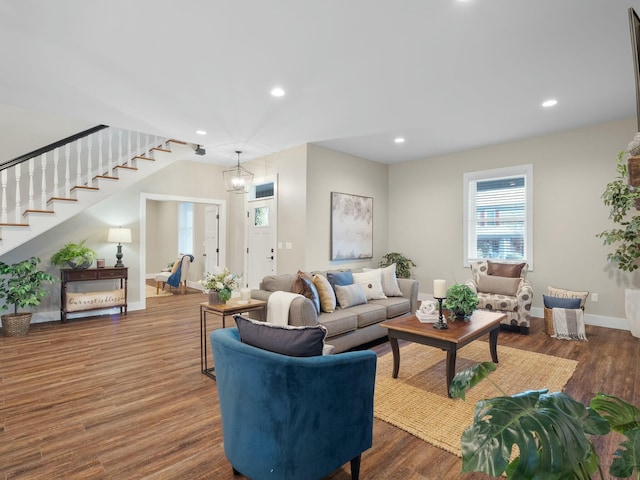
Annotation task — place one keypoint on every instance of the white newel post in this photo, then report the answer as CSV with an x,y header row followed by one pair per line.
x,y
32,168
56,159
43,181
67,179
4,196
632,309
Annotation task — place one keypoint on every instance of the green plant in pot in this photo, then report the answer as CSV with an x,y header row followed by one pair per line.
x,y
21,285
461,301
623,200
403,264
74,255
551,430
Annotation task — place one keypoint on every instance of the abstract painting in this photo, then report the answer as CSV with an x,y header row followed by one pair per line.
x,y
351,226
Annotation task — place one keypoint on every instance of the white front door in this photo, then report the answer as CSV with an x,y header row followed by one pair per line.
x,y
261,240
211,246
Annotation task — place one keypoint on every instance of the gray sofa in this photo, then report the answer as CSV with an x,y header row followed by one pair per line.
x,y
346,327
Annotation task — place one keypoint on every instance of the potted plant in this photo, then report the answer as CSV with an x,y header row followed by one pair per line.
x,y
21,286
461,301
74,255
403,264
551,430
623,198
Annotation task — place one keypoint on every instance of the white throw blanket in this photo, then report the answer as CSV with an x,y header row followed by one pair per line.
x,y
568,324
278,307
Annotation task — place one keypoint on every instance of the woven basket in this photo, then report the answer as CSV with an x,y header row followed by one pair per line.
x,y
16,325
548,321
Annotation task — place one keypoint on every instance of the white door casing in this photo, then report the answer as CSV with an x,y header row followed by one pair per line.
x,y
261,240
210,241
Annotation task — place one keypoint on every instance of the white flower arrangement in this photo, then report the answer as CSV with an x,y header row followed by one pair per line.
x,y
221,279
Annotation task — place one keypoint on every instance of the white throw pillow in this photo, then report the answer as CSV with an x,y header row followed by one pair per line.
x,y
350,295
371,283
389,281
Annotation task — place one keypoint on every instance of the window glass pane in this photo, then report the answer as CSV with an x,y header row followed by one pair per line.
x,y
261,217
185,228
498,215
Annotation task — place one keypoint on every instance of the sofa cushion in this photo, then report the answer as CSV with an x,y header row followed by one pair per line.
x,y
395,306
561,292
304,286
369,313
339,322
371,283
512,270
283,339
350,295
273,283
498,285
492,301
389,280
325,292
560,302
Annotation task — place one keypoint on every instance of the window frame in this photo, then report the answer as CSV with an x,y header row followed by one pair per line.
x,y
185,227
469,178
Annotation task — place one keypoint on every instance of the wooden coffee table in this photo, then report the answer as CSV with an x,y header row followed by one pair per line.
x,y
459,334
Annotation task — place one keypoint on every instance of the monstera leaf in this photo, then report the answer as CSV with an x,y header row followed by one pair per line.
x,y
547,428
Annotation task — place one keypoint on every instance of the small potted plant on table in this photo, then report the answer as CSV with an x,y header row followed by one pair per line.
x,y
74,255
21,286
461,301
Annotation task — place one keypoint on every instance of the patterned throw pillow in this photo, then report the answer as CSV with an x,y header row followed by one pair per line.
x,y
371,283
350,295
326,293
304,286
561,292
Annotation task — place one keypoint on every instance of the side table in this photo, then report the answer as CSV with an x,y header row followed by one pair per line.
x,y
223,310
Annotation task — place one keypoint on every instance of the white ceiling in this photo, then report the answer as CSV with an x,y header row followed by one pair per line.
x,y
444,74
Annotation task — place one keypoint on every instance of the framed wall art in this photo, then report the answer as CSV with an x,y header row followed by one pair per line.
x,y
351,226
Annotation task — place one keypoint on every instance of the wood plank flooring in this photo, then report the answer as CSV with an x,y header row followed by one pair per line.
x,y
123,398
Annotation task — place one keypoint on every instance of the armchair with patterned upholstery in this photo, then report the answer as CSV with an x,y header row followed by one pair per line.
x,y
503,287
178,275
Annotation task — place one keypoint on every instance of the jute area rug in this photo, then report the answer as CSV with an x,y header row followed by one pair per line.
x,y
151,292
417,400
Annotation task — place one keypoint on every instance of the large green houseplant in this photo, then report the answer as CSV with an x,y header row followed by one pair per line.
x,y
624,200
74,255
621,198
21,285
551,430
403,264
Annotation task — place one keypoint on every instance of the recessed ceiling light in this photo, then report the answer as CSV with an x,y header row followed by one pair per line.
x,y
277,92
549,103
399,140
201,132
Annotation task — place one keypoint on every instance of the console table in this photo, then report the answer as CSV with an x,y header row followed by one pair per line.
x,y
68,275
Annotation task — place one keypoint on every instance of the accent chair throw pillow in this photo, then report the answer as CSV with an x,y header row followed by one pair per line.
x,y
284,339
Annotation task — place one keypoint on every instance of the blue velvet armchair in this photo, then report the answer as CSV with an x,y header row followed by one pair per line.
x,y
292,418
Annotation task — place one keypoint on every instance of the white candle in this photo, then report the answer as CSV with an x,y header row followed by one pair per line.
x,y
440,288
245,294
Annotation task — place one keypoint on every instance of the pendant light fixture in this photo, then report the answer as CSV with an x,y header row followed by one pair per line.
x,y
238,179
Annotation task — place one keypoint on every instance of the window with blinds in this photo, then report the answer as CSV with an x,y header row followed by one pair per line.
x,y
498,215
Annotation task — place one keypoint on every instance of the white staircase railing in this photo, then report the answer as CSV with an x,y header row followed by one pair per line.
x,y
35,186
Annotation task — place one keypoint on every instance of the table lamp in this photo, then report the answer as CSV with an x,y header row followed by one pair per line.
x,y
119,235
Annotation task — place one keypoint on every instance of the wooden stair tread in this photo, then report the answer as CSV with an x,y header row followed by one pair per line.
x,y
179,142
28,211
62,199
14,224
140,157
84,187
160,149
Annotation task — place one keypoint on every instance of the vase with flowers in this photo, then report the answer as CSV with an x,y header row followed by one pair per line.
x,y
220,284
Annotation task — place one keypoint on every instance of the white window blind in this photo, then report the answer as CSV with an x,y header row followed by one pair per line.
x,y
498,215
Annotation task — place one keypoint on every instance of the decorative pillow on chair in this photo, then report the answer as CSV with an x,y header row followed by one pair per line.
x,y
511,270
371,283
350,295
389,280
498,285
560,302
326,293
283,339
561,292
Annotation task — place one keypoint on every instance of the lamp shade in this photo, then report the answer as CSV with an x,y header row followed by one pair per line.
x,y
119,235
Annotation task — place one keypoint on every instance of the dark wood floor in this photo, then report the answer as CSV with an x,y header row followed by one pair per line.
x,y
123,398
